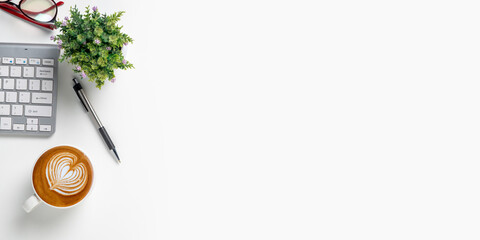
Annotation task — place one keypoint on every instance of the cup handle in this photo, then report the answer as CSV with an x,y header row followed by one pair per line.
x,y
31,203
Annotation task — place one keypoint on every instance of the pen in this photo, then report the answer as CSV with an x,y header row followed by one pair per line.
x,y
84,100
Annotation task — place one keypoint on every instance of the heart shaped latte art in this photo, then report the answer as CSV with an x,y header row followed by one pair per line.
x,y
65,176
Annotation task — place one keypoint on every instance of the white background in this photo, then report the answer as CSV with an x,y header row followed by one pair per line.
x,y
265,119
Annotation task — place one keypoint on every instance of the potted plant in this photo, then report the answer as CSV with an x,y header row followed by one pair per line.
x,y
92,43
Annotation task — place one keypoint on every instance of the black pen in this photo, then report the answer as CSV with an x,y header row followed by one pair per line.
x,y
84,100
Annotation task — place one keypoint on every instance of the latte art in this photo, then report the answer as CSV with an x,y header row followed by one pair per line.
x,y
64,175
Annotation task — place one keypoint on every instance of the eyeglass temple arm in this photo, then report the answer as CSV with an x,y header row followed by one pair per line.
x,y
45,25
44,11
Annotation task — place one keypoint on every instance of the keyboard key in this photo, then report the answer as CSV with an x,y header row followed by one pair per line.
x,y
18,127
21,61
45,98
38,111
4,109
22,84
45,128
47,85
34,61
32,120
23,97
17,110
7,60
32,127
4,71
28,72
34,85
15,71
6,123
8,83
2,96
11,97
48,62
44,72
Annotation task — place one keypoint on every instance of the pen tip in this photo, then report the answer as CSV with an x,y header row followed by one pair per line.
x,y
116,154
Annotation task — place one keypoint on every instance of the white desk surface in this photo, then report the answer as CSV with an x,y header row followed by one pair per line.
x,y
261,119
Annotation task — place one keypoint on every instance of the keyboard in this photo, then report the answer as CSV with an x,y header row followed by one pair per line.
x,y
28,88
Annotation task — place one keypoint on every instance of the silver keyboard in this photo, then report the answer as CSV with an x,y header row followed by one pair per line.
x,y
28,88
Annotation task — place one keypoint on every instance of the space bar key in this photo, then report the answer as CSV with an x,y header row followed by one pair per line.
x,y
38,111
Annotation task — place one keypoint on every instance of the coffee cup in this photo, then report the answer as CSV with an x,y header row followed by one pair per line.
x,y
61,178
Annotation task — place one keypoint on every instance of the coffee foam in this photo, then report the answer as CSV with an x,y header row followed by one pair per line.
x,y
62,177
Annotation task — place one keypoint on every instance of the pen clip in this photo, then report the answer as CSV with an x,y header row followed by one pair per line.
x,y
77,87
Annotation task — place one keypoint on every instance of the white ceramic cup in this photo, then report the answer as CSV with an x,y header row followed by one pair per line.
x,y
35,200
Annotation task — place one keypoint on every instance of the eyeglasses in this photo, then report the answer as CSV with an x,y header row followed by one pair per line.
x,y
40,12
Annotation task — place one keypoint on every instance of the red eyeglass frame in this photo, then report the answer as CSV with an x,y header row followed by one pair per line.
x,y
15,9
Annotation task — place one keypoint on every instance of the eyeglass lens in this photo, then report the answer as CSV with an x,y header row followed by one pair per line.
x,y
39,10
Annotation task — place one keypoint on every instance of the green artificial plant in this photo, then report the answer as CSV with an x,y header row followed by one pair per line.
x,y
93,43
